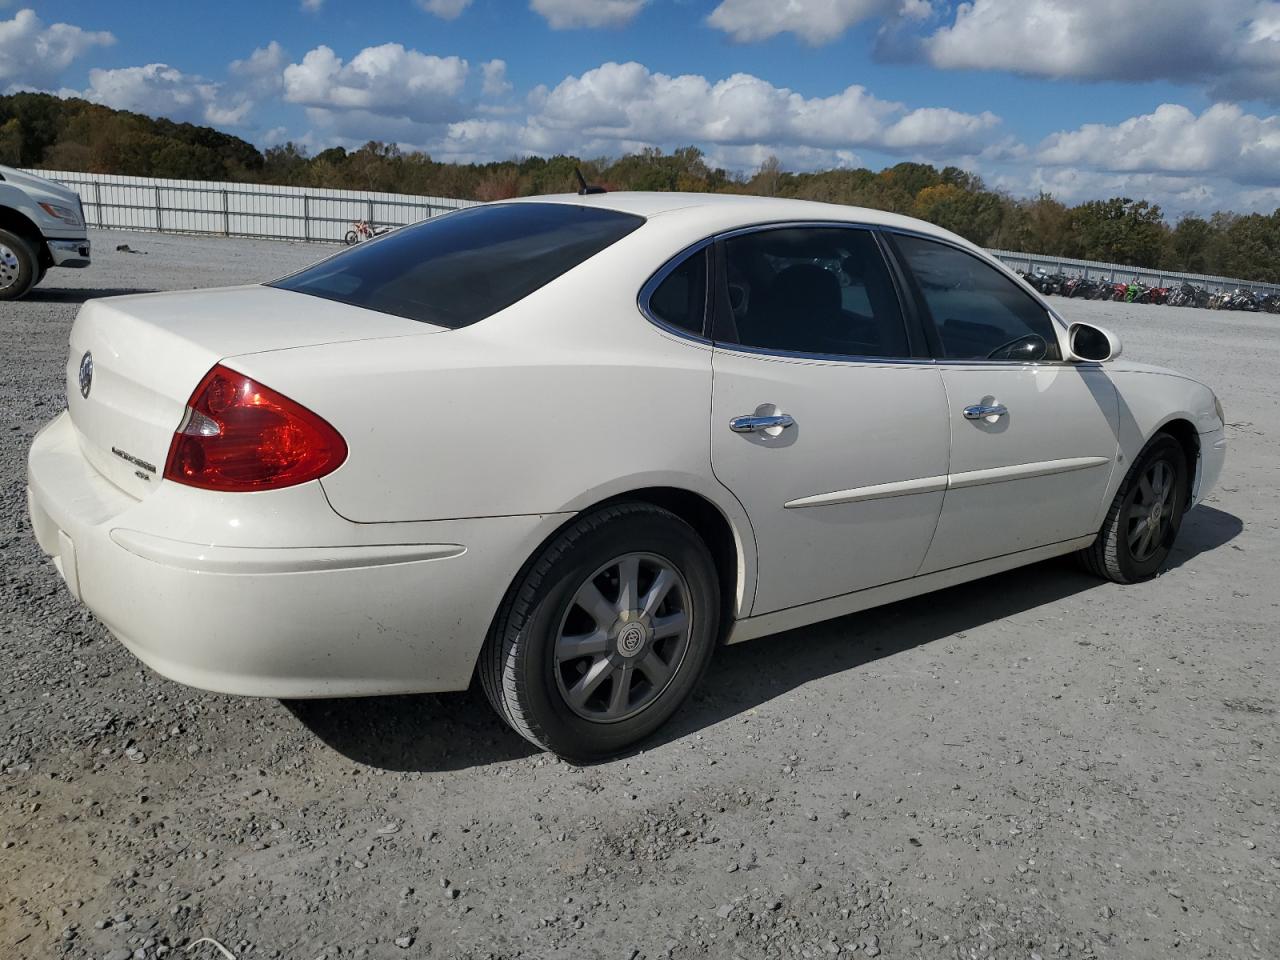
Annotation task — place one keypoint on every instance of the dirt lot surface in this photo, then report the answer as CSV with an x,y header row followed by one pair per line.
x,y
1035,765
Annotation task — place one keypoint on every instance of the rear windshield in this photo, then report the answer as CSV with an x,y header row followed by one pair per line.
x,y
457,269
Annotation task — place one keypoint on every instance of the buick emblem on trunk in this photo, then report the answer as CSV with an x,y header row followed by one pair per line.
x,y
86,374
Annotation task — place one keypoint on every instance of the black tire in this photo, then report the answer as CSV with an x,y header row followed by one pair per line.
x,y
1123,552
19,267
350,238
519,669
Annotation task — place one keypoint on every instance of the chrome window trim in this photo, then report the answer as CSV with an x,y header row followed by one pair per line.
x,y
849,358
650,286
983,256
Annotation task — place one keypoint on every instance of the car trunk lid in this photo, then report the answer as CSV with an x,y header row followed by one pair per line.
x,y
147,353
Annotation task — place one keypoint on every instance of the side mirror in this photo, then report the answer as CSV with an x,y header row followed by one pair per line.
x,y
1092,344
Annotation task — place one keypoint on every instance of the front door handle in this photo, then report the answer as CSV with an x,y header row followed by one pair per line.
x,y
752,423
980,411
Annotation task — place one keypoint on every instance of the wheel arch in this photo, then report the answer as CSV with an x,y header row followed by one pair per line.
x,y
731,543
1188,438
716,530
19,223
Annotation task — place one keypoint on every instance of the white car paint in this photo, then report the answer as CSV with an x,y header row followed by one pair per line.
x,y
469,448
1032,477
860,412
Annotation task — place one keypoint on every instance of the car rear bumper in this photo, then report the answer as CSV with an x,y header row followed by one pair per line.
x,y
69,253
336,614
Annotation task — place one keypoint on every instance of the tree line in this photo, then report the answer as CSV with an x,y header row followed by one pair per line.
x,y
40,130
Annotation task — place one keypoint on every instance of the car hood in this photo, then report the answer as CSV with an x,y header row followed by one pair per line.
x,y
1133,366
38,186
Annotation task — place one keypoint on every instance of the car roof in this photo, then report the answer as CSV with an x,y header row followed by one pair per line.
x,y
730,210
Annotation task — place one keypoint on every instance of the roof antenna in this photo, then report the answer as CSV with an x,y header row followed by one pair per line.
x,y
585,188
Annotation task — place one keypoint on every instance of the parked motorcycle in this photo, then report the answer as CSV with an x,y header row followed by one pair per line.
x,y
1188,295
1185,294
363,230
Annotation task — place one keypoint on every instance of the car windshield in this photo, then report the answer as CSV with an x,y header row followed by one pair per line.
x,y
455,270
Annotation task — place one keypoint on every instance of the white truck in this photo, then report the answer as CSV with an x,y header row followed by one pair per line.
x,y
41,226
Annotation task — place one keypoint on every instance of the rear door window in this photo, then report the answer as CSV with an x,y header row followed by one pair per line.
x,y
455,270
813,290
680,300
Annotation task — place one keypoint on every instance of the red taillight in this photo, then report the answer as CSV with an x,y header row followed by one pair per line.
x,y
238,435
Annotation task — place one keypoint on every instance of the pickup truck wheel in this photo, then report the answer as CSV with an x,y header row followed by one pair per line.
x,y
19,270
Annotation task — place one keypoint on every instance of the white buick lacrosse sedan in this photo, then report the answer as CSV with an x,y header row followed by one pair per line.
x,y
571,444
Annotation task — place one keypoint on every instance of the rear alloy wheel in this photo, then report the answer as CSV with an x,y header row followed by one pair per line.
x,y
1143,520
18,267
605,633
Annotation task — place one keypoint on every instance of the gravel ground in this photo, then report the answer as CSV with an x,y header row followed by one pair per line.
x,y
1035,765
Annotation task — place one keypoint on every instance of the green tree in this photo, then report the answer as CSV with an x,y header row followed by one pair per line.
x,y
285,164
11,141
1190,245
1119,230
976,216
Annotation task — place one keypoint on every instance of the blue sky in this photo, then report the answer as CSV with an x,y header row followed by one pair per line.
x,y
1170,99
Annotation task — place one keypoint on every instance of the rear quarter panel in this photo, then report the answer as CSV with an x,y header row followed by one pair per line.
x,y
568,398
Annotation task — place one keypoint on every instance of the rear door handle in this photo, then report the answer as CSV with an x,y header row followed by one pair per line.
x,y
752,423
980,411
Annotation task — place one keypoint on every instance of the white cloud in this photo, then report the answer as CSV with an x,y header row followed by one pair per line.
x,y
260,73
495,78
312,6
161,90
1223,141
384,81
274,137
814,21
1233,46
445,9
738,121
931,126
1175,195
33,54
791,158
572,14
627,103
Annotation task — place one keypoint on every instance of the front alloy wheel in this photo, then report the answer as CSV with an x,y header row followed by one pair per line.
x,y
604,633
1143,519
1150,512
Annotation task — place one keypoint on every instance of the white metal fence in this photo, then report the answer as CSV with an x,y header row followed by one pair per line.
x,y
1119,273
240,209
319,214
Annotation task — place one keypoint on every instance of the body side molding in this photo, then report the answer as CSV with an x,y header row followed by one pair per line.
x,y
970,478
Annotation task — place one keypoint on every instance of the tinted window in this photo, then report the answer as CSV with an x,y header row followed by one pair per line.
x,y
812,290
978,312
463,267
680,299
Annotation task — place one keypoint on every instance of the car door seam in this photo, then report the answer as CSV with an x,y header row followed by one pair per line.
x,y
951,440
